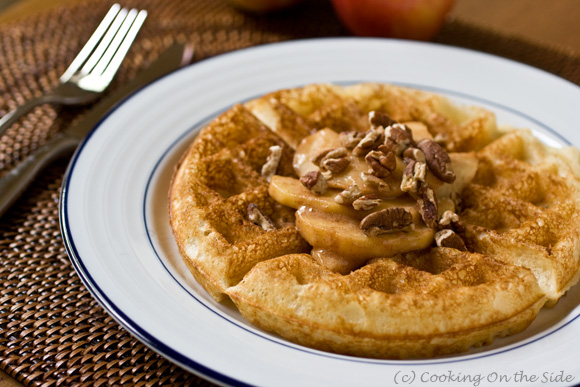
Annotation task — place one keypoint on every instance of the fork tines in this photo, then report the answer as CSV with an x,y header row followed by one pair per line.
x,y
106,48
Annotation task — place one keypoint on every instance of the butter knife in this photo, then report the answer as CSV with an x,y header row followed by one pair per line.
x,y
13,184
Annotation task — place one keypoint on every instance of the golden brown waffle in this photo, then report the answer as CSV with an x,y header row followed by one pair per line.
x,y
523,208
522,238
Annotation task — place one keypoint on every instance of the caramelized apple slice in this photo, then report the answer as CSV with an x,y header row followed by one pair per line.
x,y
282,120
419,130
311,146
336,262
465,167
342,235
290,192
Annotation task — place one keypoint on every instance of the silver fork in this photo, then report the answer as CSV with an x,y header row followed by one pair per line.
x,y
94,67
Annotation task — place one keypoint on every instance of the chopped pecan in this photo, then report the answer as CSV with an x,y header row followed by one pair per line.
x,y
415,172
427,203
414,154
382,164
333,160
335,165
351,139
366,202
372,139
380,119
332,153
315,182
256,217
448,218
398,138
448,238
348,196
437,160
375,182
272,162
389,220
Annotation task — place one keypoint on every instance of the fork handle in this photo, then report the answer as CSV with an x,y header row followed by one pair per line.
x,y
19,178
12,116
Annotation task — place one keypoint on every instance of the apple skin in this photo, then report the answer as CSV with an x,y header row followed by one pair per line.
x,y
264,6
403,19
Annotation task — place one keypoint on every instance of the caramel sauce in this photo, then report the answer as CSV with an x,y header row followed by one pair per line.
x,y
336,262
333,229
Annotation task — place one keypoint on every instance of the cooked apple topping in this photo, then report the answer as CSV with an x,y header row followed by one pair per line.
x,y
362,195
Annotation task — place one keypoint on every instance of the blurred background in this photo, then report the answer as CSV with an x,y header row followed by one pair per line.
x,y
555,23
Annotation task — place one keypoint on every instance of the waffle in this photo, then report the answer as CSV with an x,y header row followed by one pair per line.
x,y
410,295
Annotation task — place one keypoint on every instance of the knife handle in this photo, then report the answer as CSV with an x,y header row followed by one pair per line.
x,y
19,178
12,116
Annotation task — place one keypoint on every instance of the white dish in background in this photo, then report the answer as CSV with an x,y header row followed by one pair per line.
x,y
115,224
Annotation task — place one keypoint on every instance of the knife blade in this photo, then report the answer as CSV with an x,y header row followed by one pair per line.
x,y
13,184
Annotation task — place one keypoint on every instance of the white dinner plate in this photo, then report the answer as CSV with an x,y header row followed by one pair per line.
x,y
115,224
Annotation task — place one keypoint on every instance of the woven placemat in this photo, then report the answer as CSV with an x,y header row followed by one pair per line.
x,y
52,332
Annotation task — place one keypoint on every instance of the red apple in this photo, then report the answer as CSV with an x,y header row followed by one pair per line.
x,y
405,19
264,5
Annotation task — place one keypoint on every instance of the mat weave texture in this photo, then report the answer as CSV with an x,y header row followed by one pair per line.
x,y
52,332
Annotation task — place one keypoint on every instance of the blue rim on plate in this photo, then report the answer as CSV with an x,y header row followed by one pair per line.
x,y
150,339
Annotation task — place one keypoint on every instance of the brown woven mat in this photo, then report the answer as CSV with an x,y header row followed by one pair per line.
x,y
52,332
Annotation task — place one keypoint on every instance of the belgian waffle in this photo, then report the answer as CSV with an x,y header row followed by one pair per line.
x,y
521,238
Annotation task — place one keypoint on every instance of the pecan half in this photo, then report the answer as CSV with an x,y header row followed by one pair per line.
x,y
437,160
415,172
386,221
272,162
366,202
333,160
414,154
372,139
427,203
448,238
332,153
335,165
349,195
382,164
351,139
256,217
380,119
398,138
315,182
